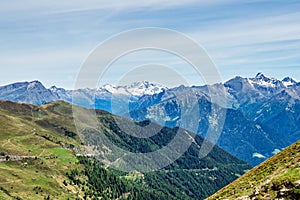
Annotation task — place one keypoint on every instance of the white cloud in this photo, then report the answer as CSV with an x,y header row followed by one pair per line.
x,y
249,32
79,5
257,41
232,39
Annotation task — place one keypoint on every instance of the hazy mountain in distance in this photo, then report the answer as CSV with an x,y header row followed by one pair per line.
x,y
267,105
30,92
35,93
259,109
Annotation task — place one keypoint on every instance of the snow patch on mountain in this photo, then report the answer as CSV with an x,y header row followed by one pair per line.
x,y
135,89
258,155
276,151
288,82
109,88
263,81
33,84
142,88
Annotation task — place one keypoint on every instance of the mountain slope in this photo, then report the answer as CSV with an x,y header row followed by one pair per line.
x,y
29,167
268,109
262,114
30,92
239,136
38,147
35,93
278,177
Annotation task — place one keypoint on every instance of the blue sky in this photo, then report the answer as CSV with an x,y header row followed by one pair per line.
x,y
49,41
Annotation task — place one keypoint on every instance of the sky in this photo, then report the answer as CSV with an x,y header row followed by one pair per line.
x,y
50,40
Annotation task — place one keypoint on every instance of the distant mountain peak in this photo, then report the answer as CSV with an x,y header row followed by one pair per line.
x,y
287,81
144,87
35,84
109,88
263,81
35,81
143,84
56,89
53,87
136,89
260,75
262,78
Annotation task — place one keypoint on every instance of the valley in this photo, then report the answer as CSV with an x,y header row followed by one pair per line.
x,y
42,161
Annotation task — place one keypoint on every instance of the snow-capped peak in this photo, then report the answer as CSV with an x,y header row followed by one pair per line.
x,y
56,89
53,88
145,87
34,84
287,81
263,81
134,89
141,84
109,88
261,76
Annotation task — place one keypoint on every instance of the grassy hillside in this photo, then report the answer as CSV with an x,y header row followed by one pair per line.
x,y
278,177
46,154
37,160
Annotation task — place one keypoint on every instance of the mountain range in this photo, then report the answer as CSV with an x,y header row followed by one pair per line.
x,y
36,93
43,156
260,114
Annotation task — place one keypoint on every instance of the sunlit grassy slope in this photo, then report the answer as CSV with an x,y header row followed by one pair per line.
x,y
278,177
27,130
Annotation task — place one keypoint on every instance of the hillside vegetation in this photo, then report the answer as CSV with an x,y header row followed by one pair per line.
x,y
42,157
276,178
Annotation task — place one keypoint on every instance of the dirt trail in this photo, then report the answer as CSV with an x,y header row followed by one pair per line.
x,y
8,141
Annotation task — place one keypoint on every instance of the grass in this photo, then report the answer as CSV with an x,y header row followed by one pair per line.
x,y
4,196
47,134
64,155
20,134
134,176
267,179
34,178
